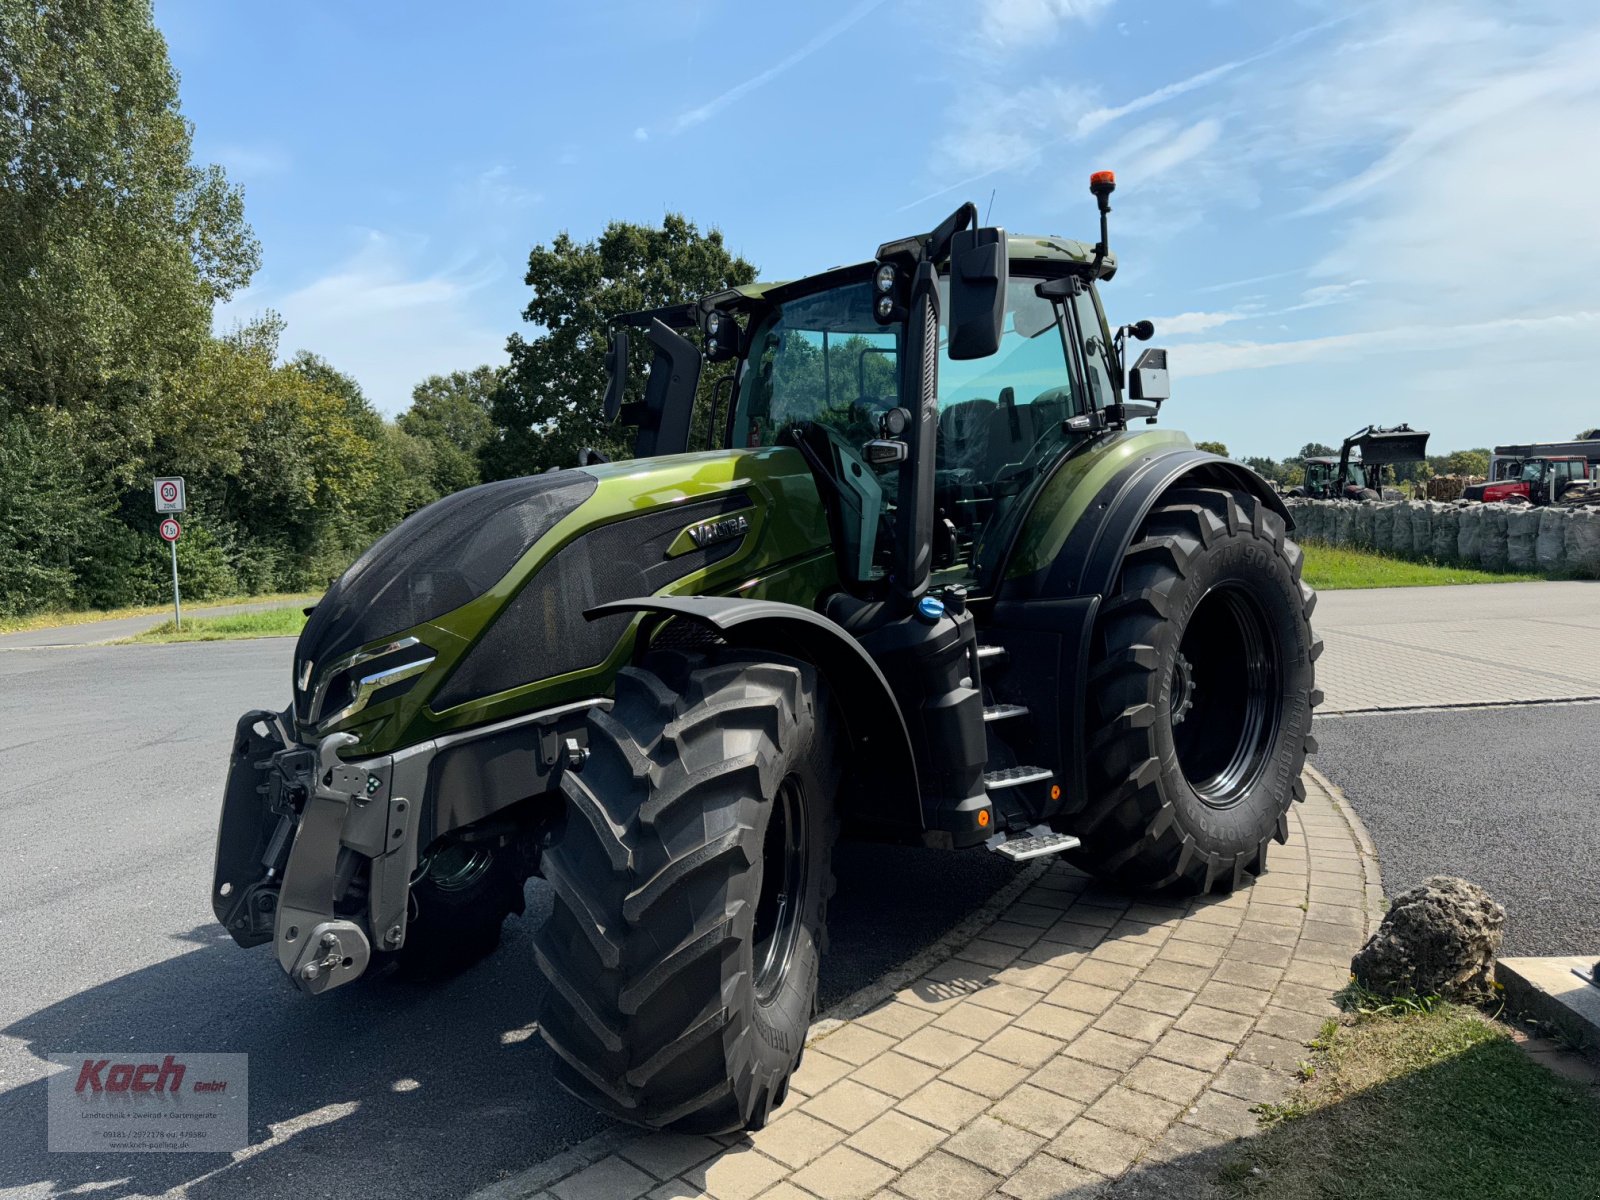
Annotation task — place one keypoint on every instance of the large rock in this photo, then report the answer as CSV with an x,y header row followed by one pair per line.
x,y
1438,939
1582,543
1551,548
1469,528
1493,551
1446,523
1361,525
1422,531
1401,539
1522,539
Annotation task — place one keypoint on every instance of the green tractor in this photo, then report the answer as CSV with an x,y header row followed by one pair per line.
x,y
929,585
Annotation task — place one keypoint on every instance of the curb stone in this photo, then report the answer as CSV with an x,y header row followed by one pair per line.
x,y
1119,1040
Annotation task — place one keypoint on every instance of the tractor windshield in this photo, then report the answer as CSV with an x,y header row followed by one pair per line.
x,y
823,359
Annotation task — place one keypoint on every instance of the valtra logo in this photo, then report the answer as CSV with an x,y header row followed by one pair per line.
x,y
105,1076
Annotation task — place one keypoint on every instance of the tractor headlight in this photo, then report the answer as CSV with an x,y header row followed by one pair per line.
x,y
713,324
884,279
885,307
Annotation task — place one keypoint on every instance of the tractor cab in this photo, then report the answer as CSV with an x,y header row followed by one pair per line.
x,y
1025,369
1547,478
1321,474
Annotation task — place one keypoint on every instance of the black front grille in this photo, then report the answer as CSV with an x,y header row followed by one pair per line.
x,y
542,632
436,560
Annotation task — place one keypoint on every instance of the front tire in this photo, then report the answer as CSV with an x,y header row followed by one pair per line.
x,y
1200,697
691,883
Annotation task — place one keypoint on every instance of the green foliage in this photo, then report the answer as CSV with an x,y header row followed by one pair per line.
x,y
549,405
450,414
1464,462
272,622
113,246
1212,448
48,515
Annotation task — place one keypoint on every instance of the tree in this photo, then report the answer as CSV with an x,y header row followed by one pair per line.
x,y
1588,434
549,405
1212,448
451,414
1315,450
1467,462
113,245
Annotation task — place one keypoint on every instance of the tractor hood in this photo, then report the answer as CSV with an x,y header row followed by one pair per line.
x,y
436,560
472,609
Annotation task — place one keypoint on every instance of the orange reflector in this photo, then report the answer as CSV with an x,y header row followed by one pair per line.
x,y
983,818
1055,791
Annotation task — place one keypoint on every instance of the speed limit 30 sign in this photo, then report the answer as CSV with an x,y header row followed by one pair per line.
x,y
169,495
170,530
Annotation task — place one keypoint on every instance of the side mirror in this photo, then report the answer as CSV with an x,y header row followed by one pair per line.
x,y
616,374
1148,380
977,292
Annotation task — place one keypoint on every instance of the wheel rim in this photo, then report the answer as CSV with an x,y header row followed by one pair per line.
x,y
780,909
457,867
1225,696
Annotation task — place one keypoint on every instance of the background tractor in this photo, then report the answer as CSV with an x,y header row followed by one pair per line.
x,y
1540,474
931,583
1350,478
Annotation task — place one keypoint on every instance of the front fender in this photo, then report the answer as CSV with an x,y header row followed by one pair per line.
x,y
888,795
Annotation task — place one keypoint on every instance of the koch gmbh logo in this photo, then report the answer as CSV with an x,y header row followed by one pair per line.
x,y
140,1103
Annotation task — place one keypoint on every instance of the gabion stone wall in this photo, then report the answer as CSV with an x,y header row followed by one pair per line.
x,y
1492,537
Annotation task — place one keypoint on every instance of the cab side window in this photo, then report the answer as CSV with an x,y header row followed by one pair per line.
x,y
1094,344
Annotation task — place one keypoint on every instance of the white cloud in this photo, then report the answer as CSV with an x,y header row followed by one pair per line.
x,y
1216,358
496,187
1564,74
253,162
715,105
1010,23
997,128
1158,147
1193,322
375,317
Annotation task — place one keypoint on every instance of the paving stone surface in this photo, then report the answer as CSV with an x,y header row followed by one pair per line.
x,y
1113,1047
1509,643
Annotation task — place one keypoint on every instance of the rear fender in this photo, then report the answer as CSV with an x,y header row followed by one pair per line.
x,y
887,796
1063,596
1090,560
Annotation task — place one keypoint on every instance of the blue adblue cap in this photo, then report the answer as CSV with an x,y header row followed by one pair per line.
x,y
930,609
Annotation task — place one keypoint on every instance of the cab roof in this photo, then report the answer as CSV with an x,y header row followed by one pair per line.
x,y
1047,254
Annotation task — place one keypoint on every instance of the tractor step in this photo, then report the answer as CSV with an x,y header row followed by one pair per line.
x,y
1002,712
1010,777
992,654
1036,843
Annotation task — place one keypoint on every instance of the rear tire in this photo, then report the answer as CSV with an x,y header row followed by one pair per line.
x,y
691,882
1200,697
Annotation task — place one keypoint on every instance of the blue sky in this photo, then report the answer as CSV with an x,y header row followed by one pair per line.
x,y
1336,213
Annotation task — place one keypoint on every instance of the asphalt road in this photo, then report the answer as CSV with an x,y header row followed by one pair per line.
x,y
112,762
1507,797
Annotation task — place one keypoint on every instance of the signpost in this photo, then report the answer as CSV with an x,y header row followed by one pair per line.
x,y
170,498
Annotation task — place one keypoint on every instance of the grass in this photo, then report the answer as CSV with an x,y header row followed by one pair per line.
x,y
1330,568
1414,1099
274,622
52,620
